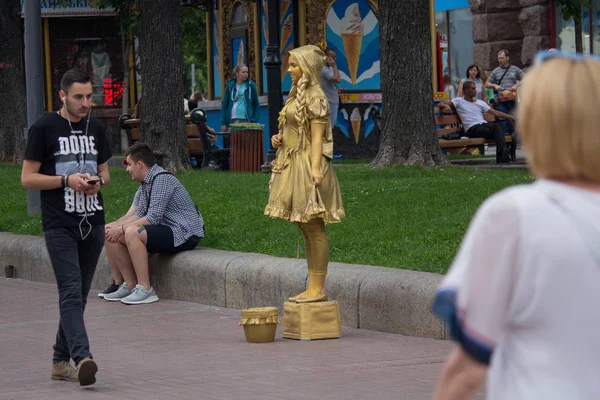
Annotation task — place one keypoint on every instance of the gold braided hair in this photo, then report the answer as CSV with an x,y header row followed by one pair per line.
x,y
281,121
301,112
298,95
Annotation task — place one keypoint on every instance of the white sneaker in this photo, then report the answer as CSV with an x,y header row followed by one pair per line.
x,y
122,292
139,295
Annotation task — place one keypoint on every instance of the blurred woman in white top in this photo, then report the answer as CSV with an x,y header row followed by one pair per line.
x,y
521,298
474,74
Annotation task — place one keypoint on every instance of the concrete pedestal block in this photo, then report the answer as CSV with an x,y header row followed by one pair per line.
x,y
256,280
343,283
400,301
199,275
311,321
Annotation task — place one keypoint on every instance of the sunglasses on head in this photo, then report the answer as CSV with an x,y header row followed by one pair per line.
x,y
546,55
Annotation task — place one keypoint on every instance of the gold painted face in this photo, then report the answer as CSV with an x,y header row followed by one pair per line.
x,y
294,70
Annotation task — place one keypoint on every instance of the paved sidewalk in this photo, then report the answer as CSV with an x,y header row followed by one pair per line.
x,y
177,350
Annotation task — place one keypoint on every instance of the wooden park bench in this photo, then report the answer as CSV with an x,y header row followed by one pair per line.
x,y
196,129
447,124
201,142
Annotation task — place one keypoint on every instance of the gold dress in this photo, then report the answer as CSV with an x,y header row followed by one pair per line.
x,y
292,195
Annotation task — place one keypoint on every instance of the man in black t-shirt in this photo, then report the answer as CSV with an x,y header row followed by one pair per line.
x,y
66,159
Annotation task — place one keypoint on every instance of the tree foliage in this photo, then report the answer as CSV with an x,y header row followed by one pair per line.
x,y
193,47
572,9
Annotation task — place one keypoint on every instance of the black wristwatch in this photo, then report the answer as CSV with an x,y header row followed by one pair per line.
x,y
101,179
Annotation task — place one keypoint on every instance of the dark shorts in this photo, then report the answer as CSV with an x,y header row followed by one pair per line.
x,y
160,240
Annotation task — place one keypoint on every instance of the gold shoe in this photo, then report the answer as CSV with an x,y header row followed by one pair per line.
x,y
294,298
322,297
64,371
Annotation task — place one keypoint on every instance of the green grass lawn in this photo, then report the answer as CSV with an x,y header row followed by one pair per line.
x,y
411,218
450,157
353,161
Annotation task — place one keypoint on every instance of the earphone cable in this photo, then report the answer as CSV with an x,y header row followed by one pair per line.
x,y
81,169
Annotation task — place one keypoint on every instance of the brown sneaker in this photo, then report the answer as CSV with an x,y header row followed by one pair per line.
x,y
64,371
86,370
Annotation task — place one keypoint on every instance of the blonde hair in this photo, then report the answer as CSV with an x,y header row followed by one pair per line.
x,y
238,68
298,95
558,119
301,113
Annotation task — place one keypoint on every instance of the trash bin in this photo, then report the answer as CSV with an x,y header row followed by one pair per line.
x,y
246,146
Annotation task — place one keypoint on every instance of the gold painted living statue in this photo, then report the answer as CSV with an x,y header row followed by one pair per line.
x,y
303,186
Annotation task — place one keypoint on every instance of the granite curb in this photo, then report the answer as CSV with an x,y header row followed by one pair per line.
x,y
374,298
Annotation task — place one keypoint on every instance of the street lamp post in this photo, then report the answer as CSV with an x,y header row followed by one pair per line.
x,y
272,63
33,80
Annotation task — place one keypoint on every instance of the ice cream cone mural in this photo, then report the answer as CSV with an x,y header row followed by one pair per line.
x,y
285,4
355,121
265,4
285,61
286,31
285,25
218,63
352,37
216,52
352,32
266,30
218,44
240,57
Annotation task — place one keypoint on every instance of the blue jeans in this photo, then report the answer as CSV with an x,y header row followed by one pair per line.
x,y
238,121
507,107
74,262
333,113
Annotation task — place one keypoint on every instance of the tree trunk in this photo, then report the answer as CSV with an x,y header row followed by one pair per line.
x,y
163,123
13,101
126,47
408,132
578,31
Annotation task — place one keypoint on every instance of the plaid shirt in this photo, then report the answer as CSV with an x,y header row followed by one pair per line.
x,y
170,205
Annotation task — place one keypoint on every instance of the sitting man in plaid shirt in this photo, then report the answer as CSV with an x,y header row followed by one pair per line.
x,y
162,219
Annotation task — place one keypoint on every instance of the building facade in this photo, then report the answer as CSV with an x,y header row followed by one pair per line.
x,y
521,26
237,32
464,32
78,35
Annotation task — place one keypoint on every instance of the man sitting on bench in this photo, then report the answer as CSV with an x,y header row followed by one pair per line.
x,y
162,219
470,111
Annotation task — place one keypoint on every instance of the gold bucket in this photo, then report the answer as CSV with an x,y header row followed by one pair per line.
x,y
260,324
